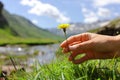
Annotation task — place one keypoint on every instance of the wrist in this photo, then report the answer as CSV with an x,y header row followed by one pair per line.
x,y
117,45
117,41
117,38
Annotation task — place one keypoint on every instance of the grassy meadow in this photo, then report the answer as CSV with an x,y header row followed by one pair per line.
x,y
62,69
8,39
26,41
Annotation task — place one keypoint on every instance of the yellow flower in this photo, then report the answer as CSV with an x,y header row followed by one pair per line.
x,y
63,26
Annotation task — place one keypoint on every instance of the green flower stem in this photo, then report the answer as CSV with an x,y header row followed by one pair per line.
x,y
64,30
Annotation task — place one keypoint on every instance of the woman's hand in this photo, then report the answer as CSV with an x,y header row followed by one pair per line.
x,y
94,46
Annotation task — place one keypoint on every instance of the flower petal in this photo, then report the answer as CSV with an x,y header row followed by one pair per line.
x,y
63,26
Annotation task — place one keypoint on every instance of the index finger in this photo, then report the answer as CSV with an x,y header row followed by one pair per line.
x,y
76,38
71,40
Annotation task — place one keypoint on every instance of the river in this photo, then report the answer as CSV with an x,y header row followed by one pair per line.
x,y
46,53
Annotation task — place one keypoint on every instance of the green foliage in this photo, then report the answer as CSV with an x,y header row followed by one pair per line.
x,y
62,69
36,53
65,70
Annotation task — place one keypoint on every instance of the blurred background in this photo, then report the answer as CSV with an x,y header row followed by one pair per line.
x,y
28,28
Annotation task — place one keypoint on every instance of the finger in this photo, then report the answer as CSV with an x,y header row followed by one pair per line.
x,y
84,46
72,39
81,60
75,43
74,54
69,41
65,50
85,37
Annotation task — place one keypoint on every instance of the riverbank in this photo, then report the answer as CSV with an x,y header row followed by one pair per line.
x,y
28,41
26,56
62,69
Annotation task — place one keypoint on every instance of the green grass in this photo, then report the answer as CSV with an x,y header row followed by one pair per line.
x,y
6,38
62,69
27,41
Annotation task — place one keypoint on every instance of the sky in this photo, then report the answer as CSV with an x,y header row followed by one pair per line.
x,y
50,13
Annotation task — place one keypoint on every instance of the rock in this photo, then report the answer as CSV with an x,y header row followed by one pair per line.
x,y
2,57
111,29
3,21
2,78
8,69
1,7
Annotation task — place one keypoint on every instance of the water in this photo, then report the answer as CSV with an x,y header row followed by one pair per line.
x,y
46,53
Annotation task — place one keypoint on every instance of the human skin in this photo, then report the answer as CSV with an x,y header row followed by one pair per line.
x,y
94,46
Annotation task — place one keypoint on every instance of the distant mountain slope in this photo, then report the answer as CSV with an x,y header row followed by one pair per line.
x,y
14,25
76,28
113,28
106,27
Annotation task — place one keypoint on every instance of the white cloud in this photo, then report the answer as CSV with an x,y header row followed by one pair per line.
x,y
116,14
90,19
29,2
34,21
89,16
94,14
38,8
101,3
85,10
104,12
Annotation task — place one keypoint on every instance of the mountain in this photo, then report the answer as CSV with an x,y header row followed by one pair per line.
x,y
113,28
76,28
105,27
17,26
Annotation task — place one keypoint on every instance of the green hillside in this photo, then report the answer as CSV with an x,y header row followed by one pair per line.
x,y
24,28
113,28
17,29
